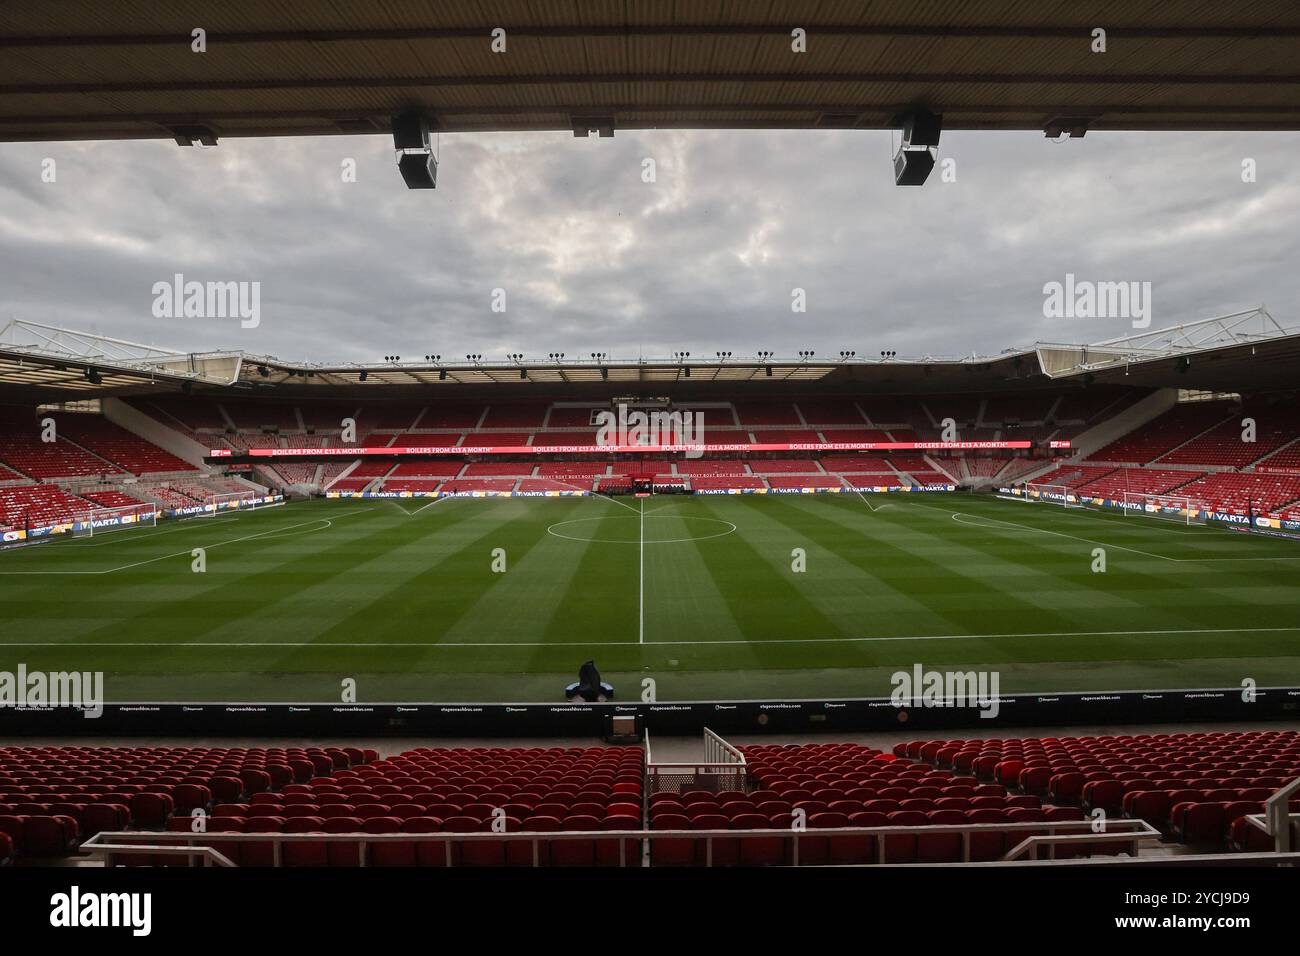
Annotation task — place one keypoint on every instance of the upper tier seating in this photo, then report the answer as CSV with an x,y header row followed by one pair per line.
x,y
1223,445
394,416
450,415
766,413
1000,409
424,440
254,415
565,416
1287,457
22,450
785,436
856,435
118,445
490,439
1165,432
183,412
524,415
326,417
818,412
585,437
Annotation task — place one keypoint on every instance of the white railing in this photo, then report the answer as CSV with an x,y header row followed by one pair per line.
x,y
195,855
1277,820
113,846
718,751
723,768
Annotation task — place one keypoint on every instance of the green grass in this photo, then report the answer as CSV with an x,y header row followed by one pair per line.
x,y
403,598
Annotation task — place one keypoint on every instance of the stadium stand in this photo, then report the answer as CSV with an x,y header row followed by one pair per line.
x,y
23,451
1262,493
112,499
1142,481
38,505
1196,788
116,444
1223,445
1162,435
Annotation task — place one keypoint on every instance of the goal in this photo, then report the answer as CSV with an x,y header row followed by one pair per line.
x,y
126,518
1178,508
215,504
1053,495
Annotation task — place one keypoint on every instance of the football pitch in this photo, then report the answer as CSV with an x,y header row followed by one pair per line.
x,y
721,597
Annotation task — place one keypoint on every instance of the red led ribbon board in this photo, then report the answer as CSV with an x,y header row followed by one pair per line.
x,y
456,451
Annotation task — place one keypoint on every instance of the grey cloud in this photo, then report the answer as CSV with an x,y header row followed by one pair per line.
x,y
594,259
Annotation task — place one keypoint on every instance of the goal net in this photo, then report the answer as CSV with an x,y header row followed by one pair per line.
x,y
1178,508
126,518
1053,495
215,504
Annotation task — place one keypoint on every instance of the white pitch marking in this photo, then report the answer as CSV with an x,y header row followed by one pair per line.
x,y
958,515
741,643
164,557
731,529
641,596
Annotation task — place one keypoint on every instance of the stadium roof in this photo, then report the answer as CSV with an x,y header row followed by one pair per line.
x,y
83,69
1245,351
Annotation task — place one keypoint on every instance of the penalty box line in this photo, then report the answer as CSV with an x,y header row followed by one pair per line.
x,y
1110,521
189,551
361,645
957,515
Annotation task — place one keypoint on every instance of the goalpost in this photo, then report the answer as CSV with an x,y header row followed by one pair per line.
x,y
1052,494
215,504
101,520
1178,508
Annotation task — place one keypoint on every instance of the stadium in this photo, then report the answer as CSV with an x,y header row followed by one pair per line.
x,y
1029,609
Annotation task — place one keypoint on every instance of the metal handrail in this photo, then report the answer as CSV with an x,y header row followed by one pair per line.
x,y
1277,810
206,855
1052,842
1126,829
717,750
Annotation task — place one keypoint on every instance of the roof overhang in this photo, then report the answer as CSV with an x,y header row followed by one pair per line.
x,y
1245,351
84,69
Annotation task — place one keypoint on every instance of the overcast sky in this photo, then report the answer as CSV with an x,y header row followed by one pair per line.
x,y
592,258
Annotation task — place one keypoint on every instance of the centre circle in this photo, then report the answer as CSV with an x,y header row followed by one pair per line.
x,y
576,528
